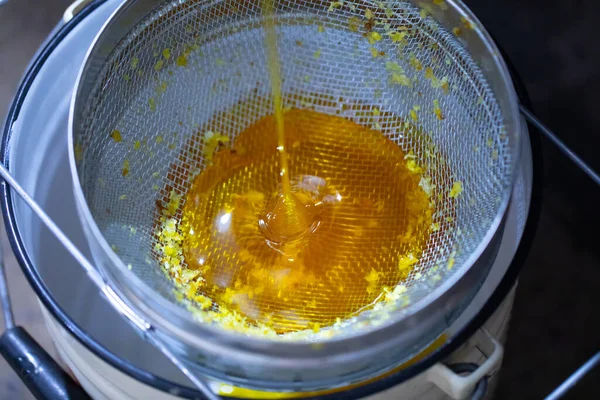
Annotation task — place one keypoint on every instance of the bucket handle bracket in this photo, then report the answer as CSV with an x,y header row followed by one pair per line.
x,y
449,380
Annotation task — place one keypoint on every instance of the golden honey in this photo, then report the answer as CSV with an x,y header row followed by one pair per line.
x,y
354,222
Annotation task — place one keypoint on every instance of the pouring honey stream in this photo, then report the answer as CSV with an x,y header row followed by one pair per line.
x,y
286,216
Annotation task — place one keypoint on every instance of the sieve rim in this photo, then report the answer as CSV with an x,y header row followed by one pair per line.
x,y
202,330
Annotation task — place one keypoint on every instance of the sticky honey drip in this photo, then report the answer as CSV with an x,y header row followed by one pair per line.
x,y
275,75
286,217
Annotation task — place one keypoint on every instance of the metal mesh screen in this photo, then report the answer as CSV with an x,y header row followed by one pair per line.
x,y
191,62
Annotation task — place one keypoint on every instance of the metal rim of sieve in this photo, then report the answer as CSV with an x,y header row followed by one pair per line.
x,y
204,336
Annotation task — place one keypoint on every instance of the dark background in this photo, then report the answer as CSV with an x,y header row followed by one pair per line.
x,y
555,47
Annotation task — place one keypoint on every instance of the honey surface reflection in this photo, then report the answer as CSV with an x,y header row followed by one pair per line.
x,y
353,212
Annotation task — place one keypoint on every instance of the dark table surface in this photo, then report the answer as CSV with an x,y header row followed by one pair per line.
x,y
555,46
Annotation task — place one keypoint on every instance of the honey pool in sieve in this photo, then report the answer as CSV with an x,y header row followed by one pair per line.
x,y
369,222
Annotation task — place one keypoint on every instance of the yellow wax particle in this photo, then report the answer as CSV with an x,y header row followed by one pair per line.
x,y
78,152
426,185
174,201
181,61
413,115
437,110
456,190
398,76
116,136
415,63
393,296
161,88
429,73
373,37
441,4
372,277
413,167
451,260
212,141
467,23
125,171
397,37
353,23
406,262
204,301
335,4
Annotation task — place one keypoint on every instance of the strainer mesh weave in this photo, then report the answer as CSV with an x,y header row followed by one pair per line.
x,y
190,62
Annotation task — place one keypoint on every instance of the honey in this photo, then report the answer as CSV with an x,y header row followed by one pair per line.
x,y
354,221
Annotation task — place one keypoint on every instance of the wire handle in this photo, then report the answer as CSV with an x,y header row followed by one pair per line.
x,y
147,330
559,144
574,378
44,378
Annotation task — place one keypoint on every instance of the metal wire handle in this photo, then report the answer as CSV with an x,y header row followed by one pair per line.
x,y
40,373
572,380
147,330
559,144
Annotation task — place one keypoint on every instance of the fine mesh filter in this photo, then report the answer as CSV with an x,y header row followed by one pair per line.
x,y
193,66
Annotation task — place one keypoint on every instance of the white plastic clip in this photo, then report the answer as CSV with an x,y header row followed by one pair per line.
x,y
460,387
74,8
